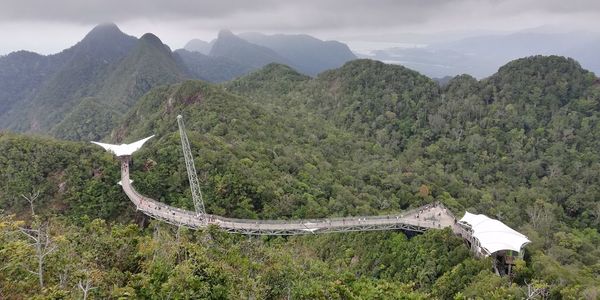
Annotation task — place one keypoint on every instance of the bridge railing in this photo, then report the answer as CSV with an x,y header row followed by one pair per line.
x,y
398,216
155,203
165,207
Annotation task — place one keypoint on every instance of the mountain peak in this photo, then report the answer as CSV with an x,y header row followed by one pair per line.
x,y
275,72
107,26
153,40
105,42
246,53
104,30
197,45
560,77
373,73
106,38
545,63
150,37
225,33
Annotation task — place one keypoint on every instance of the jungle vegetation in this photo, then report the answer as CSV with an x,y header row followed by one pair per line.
x,y
520,146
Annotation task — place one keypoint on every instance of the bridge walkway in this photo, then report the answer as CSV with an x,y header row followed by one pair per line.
x,y
415,220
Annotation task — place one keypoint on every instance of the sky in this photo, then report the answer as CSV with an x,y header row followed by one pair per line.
x,y
39,26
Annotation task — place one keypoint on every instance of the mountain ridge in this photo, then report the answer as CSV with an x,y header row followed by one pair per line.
x,y
304,53
307,54
106,66
237,49
41,94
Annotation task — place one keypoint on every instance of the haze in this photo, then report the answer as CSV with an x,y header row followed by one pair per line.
x,y
366,26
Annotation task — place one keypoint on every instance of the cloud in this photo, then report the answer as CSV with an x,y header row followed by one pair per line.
x,y
307,14
177,21
96,11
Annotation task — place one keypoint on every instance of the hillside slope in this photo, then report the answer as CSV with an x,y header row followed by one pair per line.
x,y
73,179
22,73
108,68
259,162
84,66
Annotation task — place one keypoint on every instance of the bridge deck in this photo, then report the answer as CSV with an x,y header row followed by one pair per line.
x,y
416,220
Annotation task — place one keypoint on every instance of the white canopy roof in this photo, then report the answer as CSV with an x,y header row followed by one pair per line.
x,y
494,235
123,149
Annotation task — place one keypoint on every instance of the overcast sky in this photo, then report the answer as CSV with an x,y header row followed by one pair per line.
x,y
50,26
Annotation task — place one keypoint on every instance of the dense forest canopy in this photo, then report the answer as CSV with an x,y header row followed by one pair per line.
x,y
367,138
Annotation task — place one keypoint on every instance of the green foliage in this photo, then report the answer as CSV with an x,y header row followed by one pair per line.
x,y
163,261
73,178
258,162
89,121
520,146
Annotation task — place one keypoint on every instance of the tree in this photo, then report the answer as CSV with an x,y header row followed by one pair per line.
x,y
85,285
43,245
541,217
537,290
31,199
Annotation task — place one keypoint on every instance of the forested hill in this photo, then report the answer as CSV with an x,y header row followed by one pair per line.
x,y
528,127
86,88
84,91
367,138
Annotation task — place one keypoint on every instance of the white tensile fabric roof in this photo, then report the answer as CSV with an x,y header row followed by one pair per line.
x,y
494,235
123,149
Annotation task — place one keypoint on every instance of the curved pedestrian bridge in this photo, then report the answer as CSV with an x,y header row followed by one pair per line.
x,y
415,220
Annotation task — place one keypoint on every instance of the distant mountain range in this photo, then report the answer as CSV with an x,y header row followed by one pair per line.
x,y
81,92
481,56
306,54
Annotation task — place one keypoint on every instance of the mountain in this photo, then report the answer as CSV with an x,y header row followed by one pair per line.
x,y
305,53
370,97
524,113
97,81
200,46
78,75
230,56
233,131
243,52
80,92
149,64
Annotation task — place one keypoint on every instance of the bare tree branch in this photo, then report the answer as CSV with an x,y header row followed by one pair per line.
x,y
31,199
43,246
85,286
